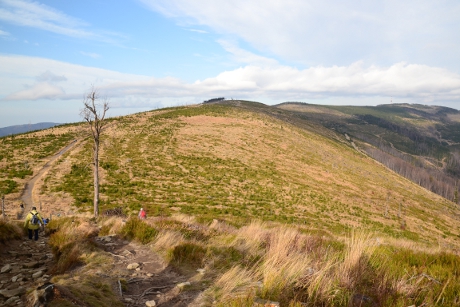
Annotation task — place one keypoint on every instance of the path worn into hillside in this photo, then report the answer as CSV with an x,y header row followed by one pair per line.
x,y
27,263
27,194
24,267
152,280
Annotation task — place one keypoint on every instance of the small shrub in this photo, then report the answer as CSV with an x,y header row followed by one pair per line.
x,y
9,231
139,230
188,253
8,186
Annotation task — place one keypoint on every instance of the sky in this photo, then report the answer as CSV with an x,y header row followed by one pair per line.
x,y
148,54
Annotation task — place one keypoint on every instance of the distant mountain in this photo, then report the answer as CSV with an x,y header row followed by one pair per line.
x,y
25,128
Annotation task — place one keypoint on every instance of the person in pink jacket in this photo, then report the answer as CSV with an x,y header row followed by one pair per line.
x,y
142,215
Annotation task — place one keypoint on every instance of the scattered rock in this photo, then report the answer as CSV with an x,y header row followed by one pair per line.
x,y
15,292
150,303
31,265
126,253
17,278
133,266
6,268
107,238
37,274
182,285
201,271
11,300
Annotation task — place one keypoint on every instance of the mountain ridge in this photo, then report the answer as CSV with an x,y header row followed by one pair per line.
x,y
16,129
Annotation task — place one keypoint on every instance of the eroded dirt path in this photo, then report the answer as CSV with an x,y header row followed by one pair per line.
x,y
24,267
146,277
27,195
28,264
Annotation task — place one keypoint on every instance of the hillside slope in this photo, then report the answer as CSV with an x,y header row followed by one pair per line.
x,y
227,162
421,143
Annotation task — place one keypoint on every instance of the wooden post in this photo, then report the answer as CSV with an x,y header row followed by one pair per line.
x,y
3,206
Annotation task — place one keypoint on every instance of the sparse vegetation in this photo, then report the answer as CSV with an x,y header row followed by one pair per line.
x,y
261,200
284,264
9,231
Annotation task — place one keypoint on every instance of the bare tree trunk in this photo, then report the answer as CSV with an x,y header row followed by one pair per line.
x,y
94,114
96,179
3,207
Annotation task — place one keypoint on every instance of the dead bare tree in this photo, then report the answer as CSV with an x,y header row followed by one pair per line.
x,y
94,114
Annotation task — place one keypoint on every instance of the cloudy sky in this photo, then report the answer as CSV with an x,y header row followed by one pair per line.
x,y
148,54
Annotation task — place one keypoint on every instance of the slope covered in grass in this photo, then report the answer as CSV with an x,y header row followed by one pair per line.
x,y
222,161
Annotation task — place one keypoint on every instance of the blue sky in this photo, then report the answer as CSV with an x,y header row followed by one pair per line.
x,y
148,54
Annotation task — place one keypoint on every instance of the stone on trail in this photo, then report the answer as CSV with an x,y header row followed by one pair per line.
x,y
31,265
133,266
37,274
6,268
150,303
182,285
12,300
11,293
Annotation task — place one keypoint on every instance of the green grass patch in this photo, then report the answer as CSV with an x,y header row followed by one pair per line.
x,y
139,230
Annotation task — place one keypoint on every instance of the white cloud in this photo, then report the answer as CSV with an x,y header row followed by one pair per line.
x,y
40,16
411,82
3,33
332,32
197,31
48,76
41,90
243,56
90,54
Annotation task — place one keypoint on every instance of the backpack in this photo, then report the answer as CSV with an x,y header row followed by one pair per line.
x,y
143,215
34,220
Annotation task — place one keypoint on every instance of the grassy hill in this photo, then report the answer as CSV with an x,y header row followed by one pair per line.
x,y
238,162
220,161
422,143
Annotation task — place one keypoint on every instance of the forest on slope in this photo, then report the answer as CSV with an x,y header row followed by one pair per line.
x,y
421,143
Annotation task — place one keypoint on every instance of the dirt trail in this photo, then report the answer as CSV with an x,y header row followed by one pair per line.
x,y
27,194
153,279
25,264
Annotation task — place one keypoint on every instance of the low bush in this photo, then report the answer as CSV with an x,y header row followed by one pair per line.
x,y
138,230
9,231
188,254
69,240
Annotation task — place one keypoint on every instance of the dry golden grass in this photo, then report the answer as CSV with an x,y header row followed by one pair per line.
x,y
112,225
168,239
236,282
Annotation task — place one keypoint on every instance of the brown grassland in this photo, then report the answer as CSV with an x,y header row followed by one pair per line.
x,y
270,209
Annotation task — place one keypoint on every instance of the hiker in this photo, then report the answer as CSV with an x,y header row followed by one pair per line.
x,y
142,215
32,223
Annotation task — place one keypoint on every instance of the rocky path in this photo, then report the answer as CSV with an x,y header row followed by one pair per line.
x,y
23,273
147,279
